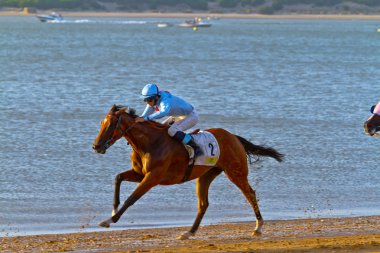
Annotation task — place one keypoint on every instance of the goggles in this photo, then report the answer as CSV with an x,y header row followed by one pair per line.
x,y
149,99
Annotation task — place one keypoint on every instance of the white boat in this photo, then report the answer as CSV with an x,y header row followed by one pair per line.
x,y
53,17
163,25
197,22
202,24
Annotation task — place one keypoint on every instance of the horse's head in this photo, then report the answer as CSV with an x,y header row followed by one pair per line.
x,y
372,125
112,127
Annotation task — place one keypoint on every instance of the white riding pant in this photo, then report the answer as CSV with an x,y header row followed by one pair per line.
x,y
182,124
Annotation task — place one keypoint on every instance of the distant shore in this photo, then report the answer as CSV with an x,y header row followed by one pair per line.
x,y
322,235
202,14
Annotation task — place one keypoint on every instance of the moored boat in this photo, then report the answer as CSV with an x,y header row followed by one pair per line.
x,y
53,17
196,22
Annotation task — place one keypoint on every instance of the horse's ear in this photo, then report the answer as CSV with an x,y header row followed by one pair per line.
x,y
373,108
113,108
121,110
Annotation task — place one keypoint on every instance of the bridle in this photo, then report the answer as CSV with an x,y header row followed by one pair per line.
x,y
112,140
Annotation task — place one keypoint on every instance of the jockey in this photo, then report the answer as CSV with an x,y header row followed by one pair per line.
x,y
161,104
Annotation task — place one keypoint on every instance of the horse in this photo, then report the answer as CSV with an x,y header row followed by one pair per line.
x,y
158,159
372,124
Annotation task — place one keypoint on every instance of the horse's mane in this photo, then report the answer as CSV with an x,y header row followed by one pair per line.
x,y
132,112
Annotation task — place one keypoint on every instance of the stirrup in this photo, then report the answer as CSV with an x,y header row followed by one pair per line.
x,y
190,151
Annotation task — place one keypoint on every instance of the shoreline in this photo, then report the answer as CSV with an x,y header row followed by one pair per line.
x,y
353,234
201,14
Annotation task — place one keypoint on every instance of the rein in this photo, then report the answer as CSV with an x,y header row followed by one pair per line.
x,y
126,130
112,140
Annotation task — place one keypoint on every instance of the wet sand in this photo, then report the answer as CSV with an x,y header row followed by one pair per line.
x,y
357,234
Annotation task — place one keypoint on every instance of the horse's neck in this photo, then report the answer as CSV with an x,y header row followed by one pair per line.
x,y
144,137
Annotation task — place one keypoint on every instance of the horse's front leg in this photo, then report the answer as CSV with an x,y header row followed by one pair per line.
x,y
130,176
145,185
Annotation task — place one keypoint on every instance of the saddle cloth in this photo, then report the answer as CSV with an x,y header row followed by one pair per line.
x,y
210,147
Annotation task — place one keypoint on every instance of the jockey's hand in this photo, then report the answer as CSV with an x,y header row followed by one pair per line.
x,y
139,119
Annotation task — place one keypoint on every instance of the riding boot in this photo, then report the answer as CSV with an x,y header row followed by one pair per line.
x,y
179,136
197,150
186,139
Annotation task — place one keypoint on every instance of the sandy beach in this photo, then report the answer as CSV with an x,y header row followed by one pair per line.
x,y
201,14
355,234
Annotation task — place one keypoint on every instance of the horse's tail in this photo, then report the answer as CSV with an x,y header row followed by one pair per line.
x,y
256,150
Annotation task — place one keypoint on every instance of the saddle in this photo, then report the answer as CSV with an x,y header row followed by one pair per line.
x,y
209,145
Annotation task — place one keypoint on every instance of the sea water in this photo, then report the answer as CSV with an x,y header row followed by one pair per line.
x,y
303,87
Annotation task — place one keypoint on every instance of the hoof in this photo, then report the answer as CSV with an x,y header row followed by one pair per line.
x,y
106,223
185,236
114,211
257,233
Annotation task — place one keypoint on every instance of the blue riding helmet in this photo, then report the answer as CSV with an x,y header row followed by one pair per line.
x,y
149,91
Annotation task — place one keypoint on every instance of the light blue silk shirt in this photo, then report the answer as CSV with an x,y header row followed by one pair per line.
x,y
167,105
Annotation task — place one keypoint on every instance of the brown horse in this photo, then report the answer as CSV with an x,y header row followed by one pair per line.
x,y
158,159
372,125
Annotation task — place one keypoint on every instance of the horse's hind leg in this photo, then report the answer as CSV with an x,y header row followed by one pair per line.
x,y
203,184
129,175
250,194
243,184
